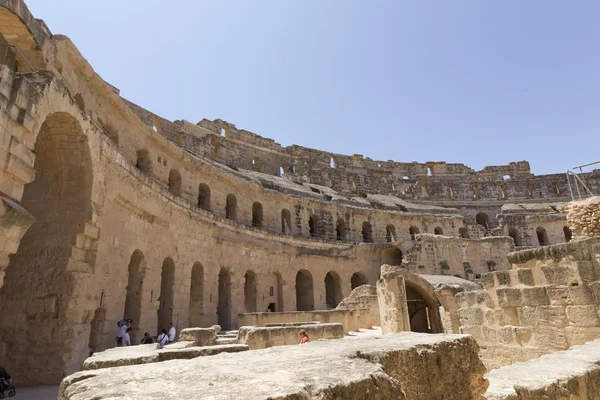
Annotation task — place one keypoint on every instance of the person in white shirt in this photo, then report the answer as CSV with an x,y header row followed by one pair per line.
x,y
121,334
172,333
127,338
162,339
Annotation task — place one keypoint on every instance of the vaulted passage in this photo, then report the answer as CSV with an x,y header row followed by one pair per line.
x,y
367,232
313,226
357,280
175,182
231,207
514,234
274,298
340,229
392,256
333,290
167,285
286,222
250,291
224,305
37,275
390,233
143,161
305,299
204,196
197,296
422,312
542,236
257,214
414,231
135,285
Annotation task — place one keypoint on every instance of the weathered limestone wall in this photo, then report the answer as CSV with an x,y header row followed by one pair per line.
x,y
584,218
522,222
393,307
547,302
378,368
348,319
363,298
262,337
462,258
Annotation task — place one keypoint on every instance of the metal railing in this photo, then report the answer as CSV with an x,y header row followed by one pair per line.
x,y
577,180
14,52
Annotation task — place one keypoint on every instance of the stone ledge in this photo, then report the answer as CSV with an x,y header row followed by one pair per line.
x,y
377,368
567,374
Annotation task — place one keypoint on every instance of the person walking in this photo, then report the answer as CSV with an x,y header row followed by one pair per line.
x,y
126,337
172,333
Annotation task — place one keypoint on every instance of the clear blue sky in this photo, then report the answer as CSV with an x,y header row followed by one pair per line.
x,y
479,82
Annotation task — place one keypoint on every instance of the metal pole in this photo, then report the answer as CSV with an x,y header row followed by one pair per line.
x,y
570,188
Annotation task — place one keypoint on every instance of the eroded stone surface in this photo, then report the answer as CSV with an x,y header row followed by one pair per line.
x,y
570,374
397,366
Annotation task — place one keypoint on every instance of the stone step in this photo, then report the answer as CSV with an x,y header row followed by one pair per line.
x,y
228,340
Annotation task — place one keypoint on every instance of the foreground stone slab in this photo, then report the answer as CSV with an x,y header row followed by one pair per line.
x,y
397,366
148,353
568,374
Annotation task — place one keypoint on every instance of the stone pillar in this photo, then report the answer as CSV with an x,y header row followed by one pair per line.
x,y
393,309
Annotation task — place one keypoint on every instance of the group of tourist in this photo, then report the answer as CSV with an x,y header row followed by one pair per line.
x,y
124,339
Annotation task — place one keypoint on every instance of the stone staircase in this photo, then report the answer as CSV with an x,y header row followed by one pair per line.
x,y
227,337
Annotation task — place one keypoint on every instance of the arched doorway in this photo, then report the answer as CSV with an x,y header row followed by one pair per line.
x,y
542,236
390,233
333,290
438,230
60,200
204,196
305,300
514,234
414,231
568,234
135,285
392,256
224,305
367,232
175,182
274,299
357,279
422,311
257,214
340,229
231,207
463,233
250,291
483,219
197,296
313,226
167,285
286,222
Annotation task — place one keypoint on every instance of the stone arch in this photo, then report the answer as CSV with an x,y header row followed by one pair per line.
x,y
135,289
196,296
257,214
463,233
333,290
231,207
224,305
367,232
414,231
313,226
483,219
568,234
250,291
59,198
438,230
514,234
175,182
204,196
305,299
286,222
143,161
340,229
390,233
357,279
392,256
542,236
423,309
167,288
96,340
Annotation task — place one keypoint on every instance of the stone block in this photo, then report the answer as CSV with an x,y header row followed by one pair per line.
x,y
543,316
509,297
581,295
200,336
263,337
582,315
502,278
487,280
560,274
535,296
470,316
525,276
466,299
550,338
579,335
588,272
558,295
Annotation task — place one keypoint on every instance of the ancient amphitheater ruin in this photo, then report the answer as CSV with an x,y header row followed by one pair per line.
x,y
110,211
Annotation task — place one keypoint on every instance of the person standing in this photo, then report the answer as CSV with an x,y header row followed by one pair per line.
x,y
126,337
121,333
172,333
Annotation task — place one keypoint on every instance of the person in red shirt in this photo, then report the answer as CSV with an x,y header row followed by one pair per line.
x,y
303,337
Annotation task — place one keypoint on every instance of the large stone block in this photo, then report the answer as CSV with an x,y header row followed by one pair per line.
x,y
509,297
262,337
376,368
200,336
582,315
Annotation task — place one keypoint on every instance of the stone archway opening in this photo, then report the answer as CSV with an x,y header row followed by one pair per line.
x,y
357,279
305,300
286,222
174,182
224,305
392,256
514,234
333,290
231,207
274,299
542,236
196,296
340,229
422,312
257,214
135,285
250,292
204,196
37,276
483,219
167,286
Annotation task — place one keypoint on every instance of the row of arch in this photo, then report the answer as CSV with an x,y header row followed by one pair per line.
x,y
303,285
541,235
